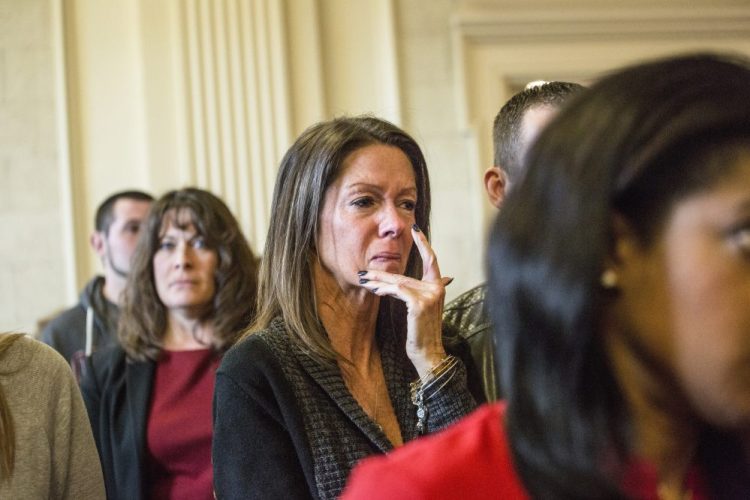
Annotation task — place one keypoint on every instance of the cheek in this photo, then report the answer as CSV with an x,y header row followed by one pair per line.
x,y
711,319
160,266
213,266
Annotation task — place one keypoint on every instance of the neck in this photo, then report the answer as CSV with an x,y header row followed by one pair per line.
x,y
187,333
349,316
114,285
665,430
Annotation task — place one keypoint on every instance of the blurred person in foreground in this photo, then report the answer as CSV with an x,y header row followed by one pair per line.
x,y
46,447
346,357
190,293
619,278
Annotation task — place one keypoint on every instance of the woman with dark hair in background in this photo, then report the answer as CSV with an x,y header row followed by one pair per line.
x,y
46,446
191,291
350,305
620,281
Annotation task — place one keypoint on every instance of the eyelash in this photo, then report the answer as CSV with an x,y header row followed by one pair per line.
x,y
198,243
367,202
363,202
410,205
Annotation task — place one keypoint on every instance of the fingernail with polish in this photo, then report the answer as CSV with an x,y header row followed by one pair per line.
x,y
374,290
448,281
362,281
361,273
415,227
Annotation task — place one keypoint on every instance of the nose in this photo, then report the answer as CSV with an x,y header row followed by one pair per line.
x,y
392,222
182,256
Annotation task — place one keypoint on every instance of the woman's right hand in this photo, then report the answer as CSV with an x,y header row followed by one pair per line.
x,y
424,301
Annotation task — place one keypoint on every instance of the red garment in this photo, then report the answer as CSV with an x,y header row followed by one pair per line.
x,y
468,460
177,461
472,459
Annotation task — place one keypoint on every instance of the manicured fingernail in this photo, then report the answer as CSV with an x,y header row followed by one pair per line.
x,y
361,273
415,227
448,281
362,281
374,290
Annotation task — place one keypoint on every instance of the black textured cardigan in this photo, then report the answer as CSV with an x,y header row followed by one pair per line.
x,y
286,426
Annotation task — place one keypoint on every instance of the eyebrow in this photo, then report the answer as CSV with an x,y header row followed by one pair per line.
x,y
375,187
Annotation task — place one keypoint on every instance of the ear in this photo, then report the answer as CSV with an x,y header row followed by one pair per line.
x,y
624,249
97,243
495,183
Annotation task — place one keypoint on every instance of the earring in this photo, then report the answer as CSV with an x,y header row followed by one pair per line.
x,y
609,279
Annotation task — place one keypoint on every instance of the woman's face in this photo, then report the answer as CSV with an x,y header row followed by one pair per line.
x,y
184,269
688,298
367,215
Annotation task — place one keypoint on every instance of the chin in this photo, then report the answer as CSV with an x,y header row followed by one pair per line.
x,y
390,267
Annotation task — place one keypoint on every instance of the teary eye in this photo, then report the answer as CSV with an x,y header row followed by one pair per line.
x,y
409,205
363,202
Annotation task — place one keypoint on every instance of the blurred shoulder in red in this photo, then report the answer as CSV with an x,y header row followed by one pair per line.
x,y
468,460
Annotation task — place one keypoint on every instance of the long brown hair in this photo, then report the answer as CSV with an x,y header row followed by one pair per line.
x,y
313,162
7,429
143,319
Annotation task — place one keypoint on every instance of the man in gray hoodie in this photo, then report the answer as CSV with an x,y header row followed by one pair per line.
x,y
92,323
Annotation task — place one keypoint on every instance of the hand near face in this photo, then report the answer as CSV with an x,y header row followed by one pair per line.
x,y
424,304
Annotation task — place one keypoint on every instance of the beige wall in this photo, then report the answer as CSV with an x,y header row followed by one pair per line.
x,y
103,95
33,275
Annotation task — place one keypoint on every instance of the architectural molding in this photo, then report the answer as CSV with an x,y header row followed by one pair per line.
x,y
499,47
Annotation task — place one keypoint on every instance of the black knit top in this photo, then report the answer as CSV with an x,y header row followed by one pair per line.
x,y
286,426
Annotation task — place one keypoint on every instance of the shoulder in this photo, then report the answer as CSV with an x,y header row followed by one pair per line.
x,y
468,301
470,298
261,352
468,460
68,319
466,314
36,374
29,354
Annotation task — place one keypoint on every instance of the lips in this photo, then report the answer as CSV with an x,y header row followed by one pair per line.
x,y
386,257
183,282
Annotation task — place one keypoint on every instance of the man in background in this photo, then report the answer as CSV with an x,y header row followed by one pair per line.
x,y
515,128
92,323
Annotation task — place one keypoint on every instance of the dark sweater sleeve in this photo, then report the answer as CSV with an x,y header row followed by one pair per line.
x,y
458,396
449,402
259,450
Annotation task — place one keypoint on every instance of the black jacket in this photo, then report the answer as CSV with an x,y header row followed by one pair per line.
x,y
286,426
466,318
117,395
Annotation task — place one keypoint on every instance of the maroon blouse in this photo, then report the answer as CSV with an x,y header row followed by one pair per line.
x,y
177,462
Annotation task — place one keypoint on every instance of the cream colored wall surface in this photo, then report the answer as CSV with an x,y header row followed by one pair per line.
x,y
430,115
32,275
158,94
459,60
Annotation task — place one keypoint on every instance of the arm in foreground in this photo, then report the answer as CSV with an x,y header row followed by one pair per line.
x,y
77,471
255,456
